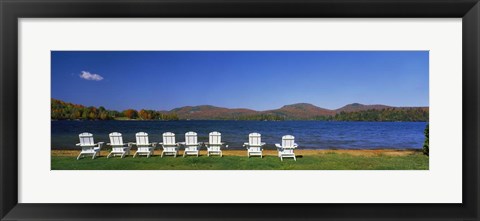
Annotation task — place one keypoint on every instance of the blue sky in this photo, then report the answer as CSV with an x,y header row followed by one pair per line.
x,y
259,80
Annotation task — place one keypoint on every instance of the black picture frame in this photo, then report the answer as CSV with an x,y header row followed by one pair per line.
x,y
12,10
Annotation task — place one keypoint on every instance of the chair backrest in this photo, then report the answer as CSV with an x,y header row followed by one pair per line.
x,y
215,138
288,141
254,139
86,139
141,138
191,138
116,138
168,138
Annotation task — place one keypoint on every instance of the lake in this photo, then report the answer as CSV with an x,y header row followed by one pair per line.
x,y
308,134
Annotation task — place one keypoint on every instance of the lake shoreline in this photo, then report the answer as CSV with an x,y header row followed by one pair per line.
x,y
302,152
157,120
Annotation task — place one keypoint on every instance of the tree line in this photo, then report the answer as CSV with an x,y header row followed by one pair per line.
x,y
380,115
258,117
61,110
387,114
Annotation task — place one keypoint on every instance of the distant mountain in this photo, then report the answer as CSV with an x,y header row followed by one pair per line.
x,y
293,111
210,112
301,111
360,107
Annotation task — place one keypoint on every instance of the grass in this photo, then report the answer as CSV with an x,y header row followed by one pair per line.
x,y
236,160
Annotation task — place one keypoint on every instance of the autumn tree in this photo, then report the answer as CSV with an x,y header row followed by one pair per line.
x,y
130,113
143,114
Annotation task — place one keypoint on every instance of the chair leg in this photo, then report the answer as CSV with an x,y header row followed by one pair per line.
x,y
136,153
79,156
108,156
94,154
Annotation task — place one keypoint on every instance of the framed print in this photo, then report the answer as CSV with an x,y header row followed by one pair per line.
x,y
318,136
239,110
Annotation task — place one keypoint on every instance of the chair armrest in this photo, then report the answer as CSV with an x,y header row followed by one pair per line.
x,y
109,144
78,144
262,144
278,145
99,146
295,145
154,144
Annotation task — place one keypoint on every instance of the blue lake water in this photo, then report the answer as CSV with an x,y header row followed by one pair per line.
x,y
308,134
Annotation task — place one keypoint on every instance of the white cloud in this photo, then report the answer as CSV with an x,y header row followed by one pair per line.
x,y
90,77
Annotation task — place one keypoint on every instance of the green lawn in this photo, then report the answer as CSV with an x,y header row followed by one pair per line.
x,y
330,161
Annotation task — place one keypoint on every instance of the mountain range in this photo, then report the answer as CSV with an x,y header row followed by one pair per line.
x,y
293,111
61,110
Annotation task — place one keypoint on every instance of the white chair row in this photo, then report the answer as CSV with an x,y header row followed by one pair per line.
x,y
144,147
191,144
170,147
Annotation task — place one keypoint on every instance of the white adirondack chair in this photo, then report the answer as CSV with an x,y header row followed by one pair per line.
x,y
169,146
89,147
192,146
214,145
118,147
254,145
143,146
287,148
